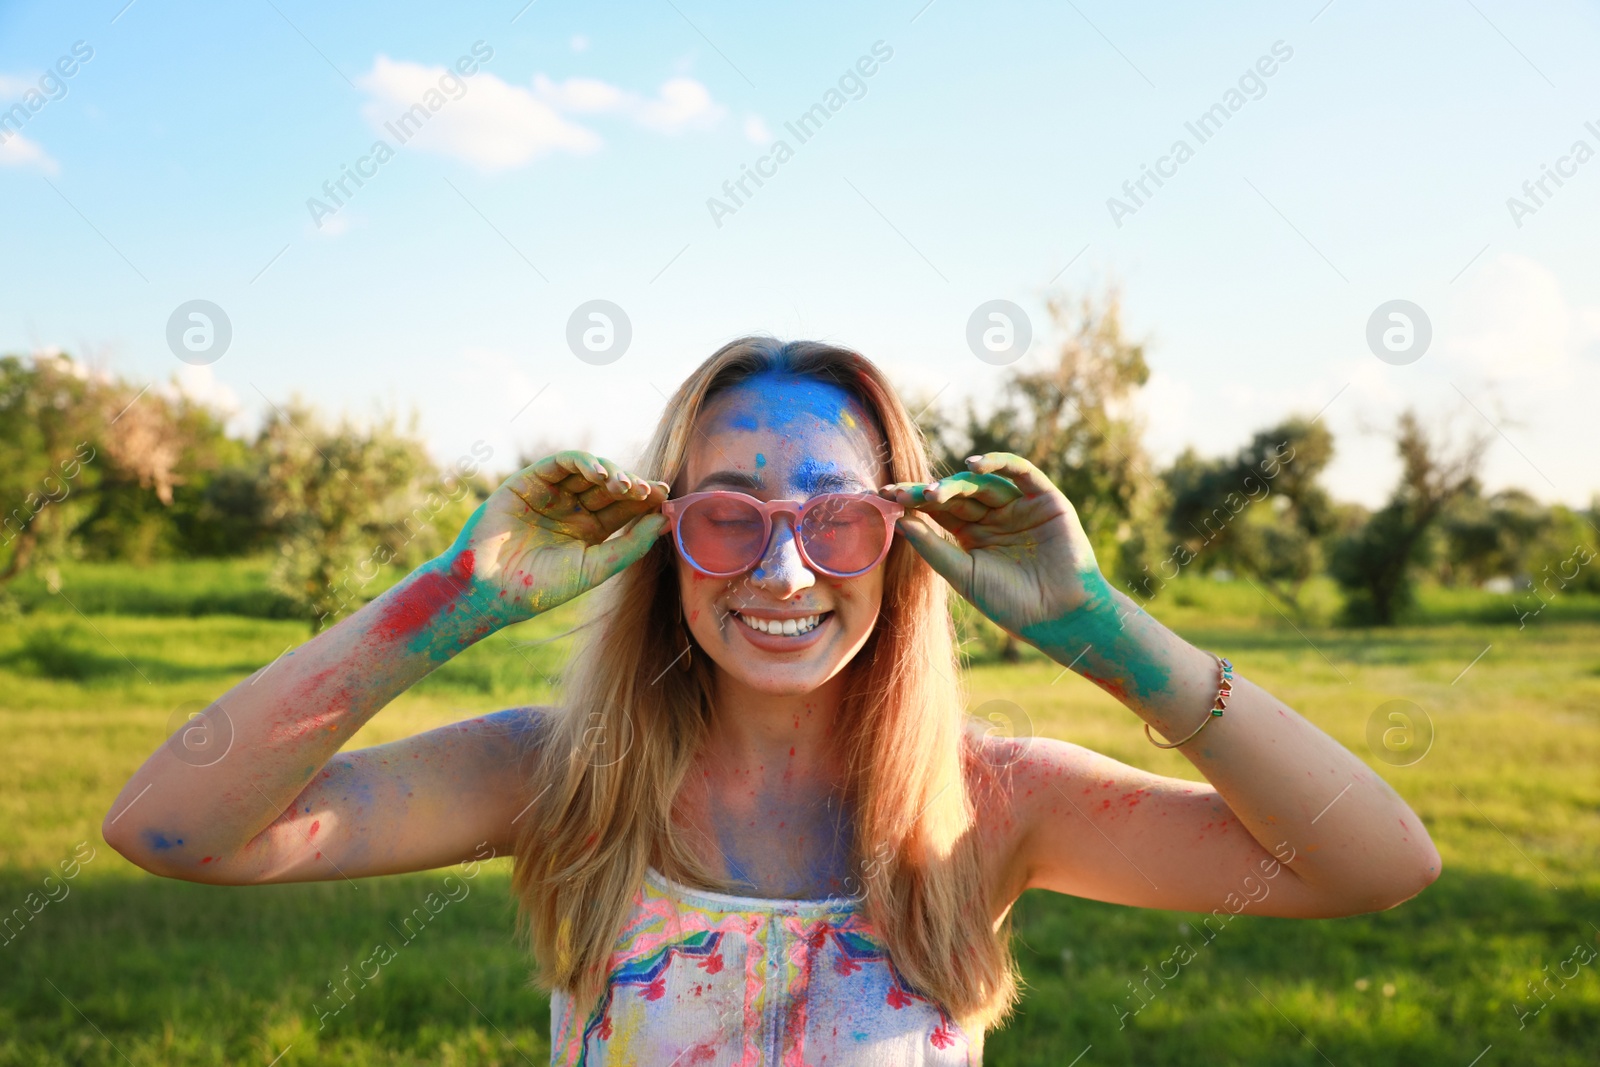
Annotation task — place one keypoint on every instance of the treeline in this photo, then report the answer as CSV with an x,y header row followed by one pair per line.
x,y
92,467
96,468
1262,514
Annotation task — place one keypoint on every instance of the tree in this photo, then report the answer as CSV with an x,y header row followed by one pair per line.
x,y
1377,564
47,421
1261,512
162,451
349,500
1494,536
1073,419
95,466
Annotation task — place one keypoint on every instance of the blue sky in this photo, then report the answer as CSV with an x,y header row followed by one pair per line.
x,y
975,163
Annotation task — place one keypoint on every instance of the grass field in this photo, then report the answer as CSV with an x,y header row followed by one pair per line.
x,y
128,968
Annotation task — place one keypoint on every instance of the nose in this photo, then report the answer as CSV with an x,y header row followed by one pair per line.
x,y
781,572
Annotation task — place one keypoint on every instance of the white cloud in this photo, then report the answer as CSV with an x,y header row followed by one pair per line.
x,y
200,383
680,104
583,96
17,151
683,104
579,43
490,124
495,125
1514,321
755,130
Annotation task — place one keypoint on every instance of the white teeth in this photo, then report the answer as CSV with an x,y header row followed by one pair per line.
x,y
785,627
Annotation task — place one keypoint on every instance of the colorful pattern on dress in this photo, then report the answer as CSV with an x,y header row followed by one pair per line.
x,y
724,981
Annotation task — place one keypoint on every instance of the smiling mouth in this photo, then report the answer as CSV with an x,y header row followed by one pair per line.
x,y
783,627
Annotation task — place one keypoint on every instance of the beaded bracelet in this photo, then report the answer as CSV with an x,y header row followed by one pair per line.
x,y
1224,691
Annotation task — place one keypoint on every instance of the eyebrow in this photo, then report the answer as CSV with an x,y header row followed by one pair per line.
x,y
833,482
818,483
731,480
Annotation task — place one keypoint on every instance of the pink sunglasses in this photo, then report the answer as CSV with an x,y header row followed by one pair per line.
x,y
723,533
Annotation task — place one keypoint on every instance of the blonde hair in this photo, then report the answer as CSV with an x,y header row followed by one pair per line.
x,y
613,758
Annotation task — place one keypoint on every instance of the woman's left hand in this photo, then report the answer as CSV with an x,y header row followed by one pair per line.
x,y
1020,553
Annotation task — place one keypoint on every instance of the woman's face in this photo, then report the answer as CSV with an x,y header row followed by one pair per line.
x,y
776,437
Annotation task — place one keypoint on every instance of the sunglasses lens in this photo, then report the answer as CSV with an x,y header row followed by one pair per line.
x,y
843,535
722,534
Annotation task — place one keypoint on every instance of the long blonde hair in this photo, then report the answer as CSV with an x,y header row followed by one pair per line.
x,y
613,758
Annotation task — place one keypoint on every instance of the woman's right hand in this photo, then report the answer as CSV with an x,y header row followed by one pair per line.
x,y
541,538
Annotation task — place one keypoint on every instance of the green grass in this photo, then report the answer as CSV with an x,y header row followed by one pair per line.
x,y
164,972
163,587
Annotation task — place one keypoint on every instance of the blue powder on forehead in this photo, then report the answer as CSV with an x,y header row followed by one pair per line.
x,y
809,472
776,400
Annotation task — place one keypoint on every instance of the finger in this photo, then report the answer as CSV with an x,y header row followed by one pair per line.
x,y
912,494
949,521
636,486
990,490
969,498
616,479
647,491
945,557
624,488
1029,478
573,484
617,515
615,555
559,467
961,510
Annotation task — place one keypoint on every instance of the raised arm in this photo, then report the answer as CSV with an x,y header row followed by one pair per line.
x,y
1283,796
256,790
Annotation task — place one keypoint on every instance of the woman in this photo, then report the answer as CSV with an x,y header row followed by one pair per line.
x,y
759,828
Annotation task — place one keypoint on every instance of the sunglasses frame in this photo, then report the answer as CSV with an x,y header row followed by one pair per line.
x,y
796,510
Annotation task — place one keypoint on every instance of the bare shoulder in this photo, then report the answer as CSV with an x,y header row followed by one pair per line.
x,y
1008,794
